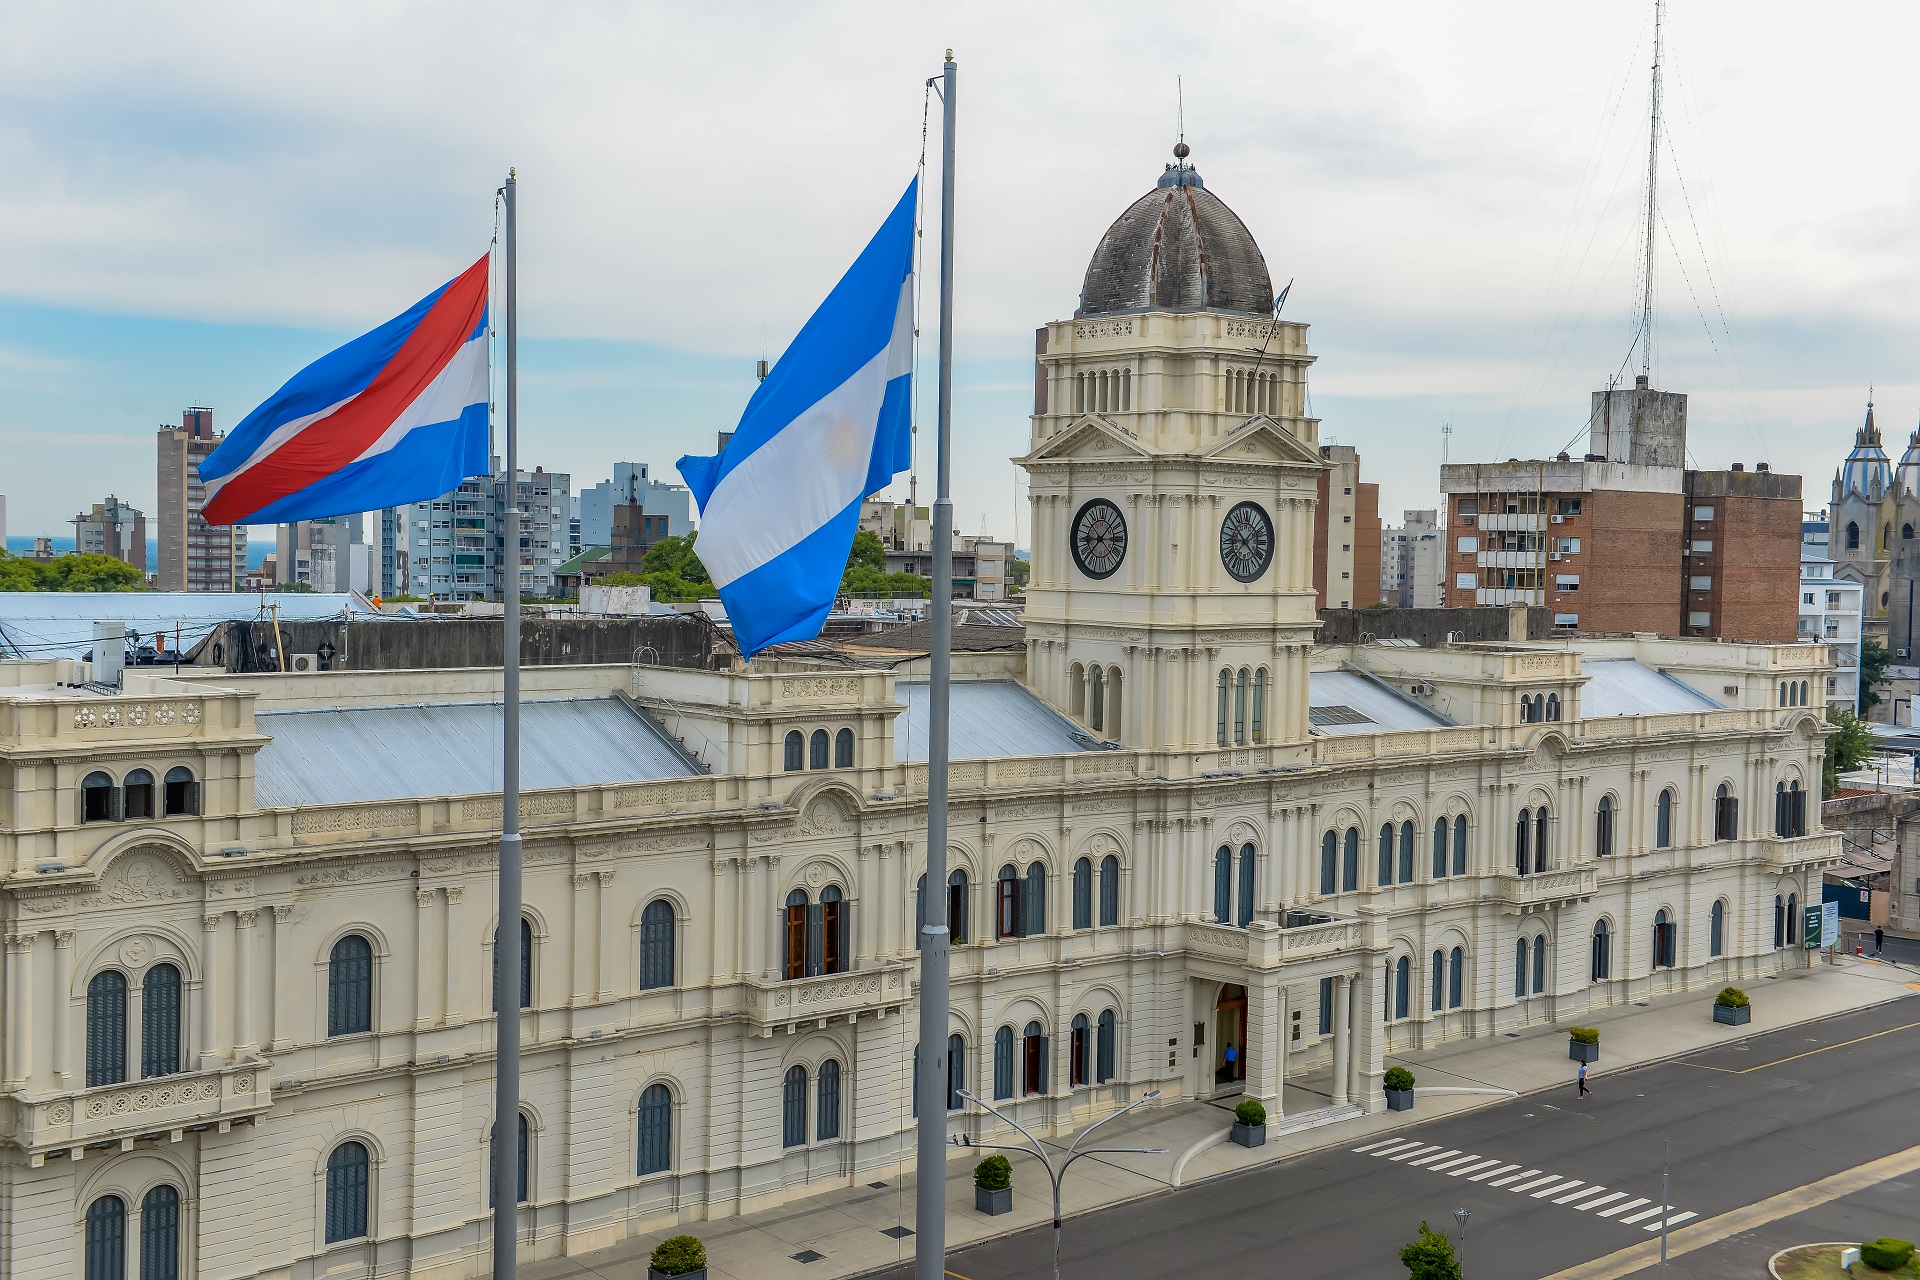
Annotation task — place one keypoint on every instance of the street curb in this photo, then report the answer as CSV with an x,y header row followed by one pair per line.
x,y
1505,1096
1774,1271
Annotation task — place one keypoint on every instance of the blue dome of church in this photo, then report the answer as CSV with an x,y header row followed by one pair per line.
x,y
1866,471
1907,476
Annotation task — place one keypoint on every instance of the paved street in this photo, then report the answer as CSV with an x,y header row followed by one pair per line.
x,y
1551,1181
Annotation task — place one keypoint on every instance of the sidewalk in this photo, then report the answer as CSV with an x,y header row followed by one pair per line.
x,y
847,1227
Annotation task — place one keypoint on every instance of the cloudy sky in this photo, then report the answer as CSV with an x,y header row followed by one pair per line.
x,y
199,199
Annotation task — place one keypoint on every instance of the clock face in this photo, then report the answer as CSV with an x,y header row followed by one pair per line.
x,y
1246,541
1099,539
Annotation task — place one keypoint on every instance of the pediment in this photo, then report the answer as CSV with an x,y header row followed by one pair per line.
x,y
1261,439
1089,438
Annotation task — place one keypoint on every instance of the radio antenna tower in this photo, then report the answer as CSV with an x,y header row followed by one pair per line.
x,y
1653,207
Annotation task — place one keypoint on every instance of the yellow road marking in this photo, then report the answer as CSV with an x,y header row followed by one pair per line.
x,y
1808,1054
1698,1235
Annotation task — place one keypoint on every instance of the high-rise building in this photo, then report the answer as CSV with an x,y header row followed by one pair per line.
x,y
631,483
328,553
453,544
1410,561
1346,533
194,555
112,528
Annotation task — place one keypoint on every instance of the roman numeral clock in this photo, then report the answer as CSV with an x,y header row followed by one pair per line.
x,y
1099,539
1246,541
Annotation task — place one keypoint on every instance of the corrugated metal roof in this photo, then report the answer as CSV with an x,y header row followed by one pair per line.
x,y
989,718
59,624
1352,702
1626,687
335,756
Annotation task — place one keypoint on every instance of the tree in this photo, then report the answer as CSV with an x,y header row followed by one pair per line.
x,y
1847,749
1430,1257
1873,669
86,572
867,550
1022,571
294,588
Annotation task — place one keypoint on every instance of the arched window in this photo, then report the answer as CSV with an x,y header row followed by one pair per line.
x,y
843,749
817,750
1080,1052
1456,977
1350,861
1526,709
833,924
1717,930
137,795
1103,1048
1329,860
1109,890
1663,820
1793,920
1247,870
1553,706
1223,884
99,802
1603,828
655,1137
817,932
1853,536
956,907
526,967
160,1234
656,945
1726,813
1539,964
1036,899
1779,921
1436,986
1522,842
1260,705
796,751
1113,703
1803,693
1520,968
160,1022
1083,894
956,1071
183,792
107,1239
1906,532
1003,1063
1406,852
1540,838
1602,952
1791,817
107,1028
1440,848
796,960
1402,986
350,987
793,1108
1010,915
1665,940
1785,701
1220,727
1460,844
826,1123
1386,854
1033,1060
1077,691
347,1170
1097,699
519,1163
1240,708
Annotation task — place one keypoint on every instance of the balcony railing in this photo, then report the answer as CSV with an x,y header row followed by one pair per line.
x,y
1543,888
51,1122
881,990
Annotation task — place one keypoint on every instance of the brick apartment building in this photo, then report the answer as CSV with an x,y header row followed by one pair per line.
x,y
1346,534
194,555
113,528
1627,539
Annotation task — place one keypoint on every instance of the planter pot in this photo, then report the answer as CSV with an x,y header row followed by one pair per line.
x,y
1249,1135
1583,1052
993,1202
701,1274
1399,1099
1733,1017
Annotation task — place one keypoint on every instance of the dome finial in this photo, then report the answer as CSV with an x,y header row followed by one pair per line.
x,y
1181,151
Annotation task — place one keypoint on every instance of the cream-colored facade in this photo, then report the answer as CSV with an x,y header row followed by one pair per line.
x,y
1316,856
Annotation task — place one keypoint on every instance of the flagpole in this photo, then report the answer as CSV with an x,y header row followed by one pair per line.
x,y
506,938
930,1222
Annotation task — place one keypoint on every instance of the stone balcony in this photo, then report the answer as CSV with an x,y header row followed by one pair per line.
x,y
1801,853
1517,894
880,991
119,1113
1265,945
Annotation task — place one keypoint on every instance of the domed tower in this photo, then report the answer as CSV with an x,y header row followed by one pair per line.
x,y
1903,558
1173,470
1862,530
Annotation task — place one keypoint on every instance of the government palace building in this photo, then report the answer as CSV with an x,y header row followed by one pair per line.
x,y
247,1022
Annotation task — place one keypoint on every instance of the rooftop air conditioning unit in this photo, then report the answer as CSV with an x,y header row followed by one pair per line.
x,y
1553,555
303,662
1559,519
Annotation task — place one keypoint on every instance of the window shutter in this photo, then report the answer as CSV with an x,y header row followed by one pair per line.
x,y
160,1234
816,939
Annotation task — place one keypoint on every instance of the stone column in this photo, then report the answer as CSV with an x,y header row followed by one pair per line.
x,y
455,999
865,903
62,1007
1266,1041
244,960
20,1009
1199,904
1342,1036
584,978
211,996
423,904
1369,1048
604,948
282,997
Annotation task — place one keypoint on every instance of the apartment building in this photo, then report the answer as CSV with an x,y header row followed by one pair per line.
x,y
194,555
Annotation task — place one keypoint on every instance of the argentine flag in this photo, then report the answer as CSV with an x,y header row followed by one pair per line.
x,y
830,425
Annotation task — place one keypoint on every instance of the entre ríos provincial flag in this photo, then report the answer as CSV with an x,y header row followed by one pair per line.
x,y
397,415
831,425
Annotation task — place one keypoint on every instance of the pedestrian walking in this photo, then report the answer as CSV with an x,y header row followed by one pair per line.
x,y
1584,1091
1879,939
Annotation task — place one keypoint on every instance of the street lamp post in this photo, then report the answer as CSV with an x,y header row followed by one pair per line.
x,y
1460,1216
1057,1173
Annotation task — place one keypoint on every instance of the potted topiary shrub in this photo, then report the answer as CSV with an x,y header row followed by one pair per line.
x,y
1250,1123
1731,1007
993,1185
681,1256
1399,1084
1886,1253
1583,1044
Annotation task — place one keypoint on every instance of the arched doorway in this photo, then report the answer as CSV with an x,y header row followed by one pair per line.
x,y
1230,1035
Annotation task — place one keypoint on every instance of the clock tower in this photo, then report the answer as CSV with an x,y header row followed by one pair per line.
x,y
1173,469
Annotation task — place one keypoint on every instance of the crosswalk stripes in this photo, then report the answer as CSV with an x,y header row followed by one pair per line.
x,y
1586,1197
